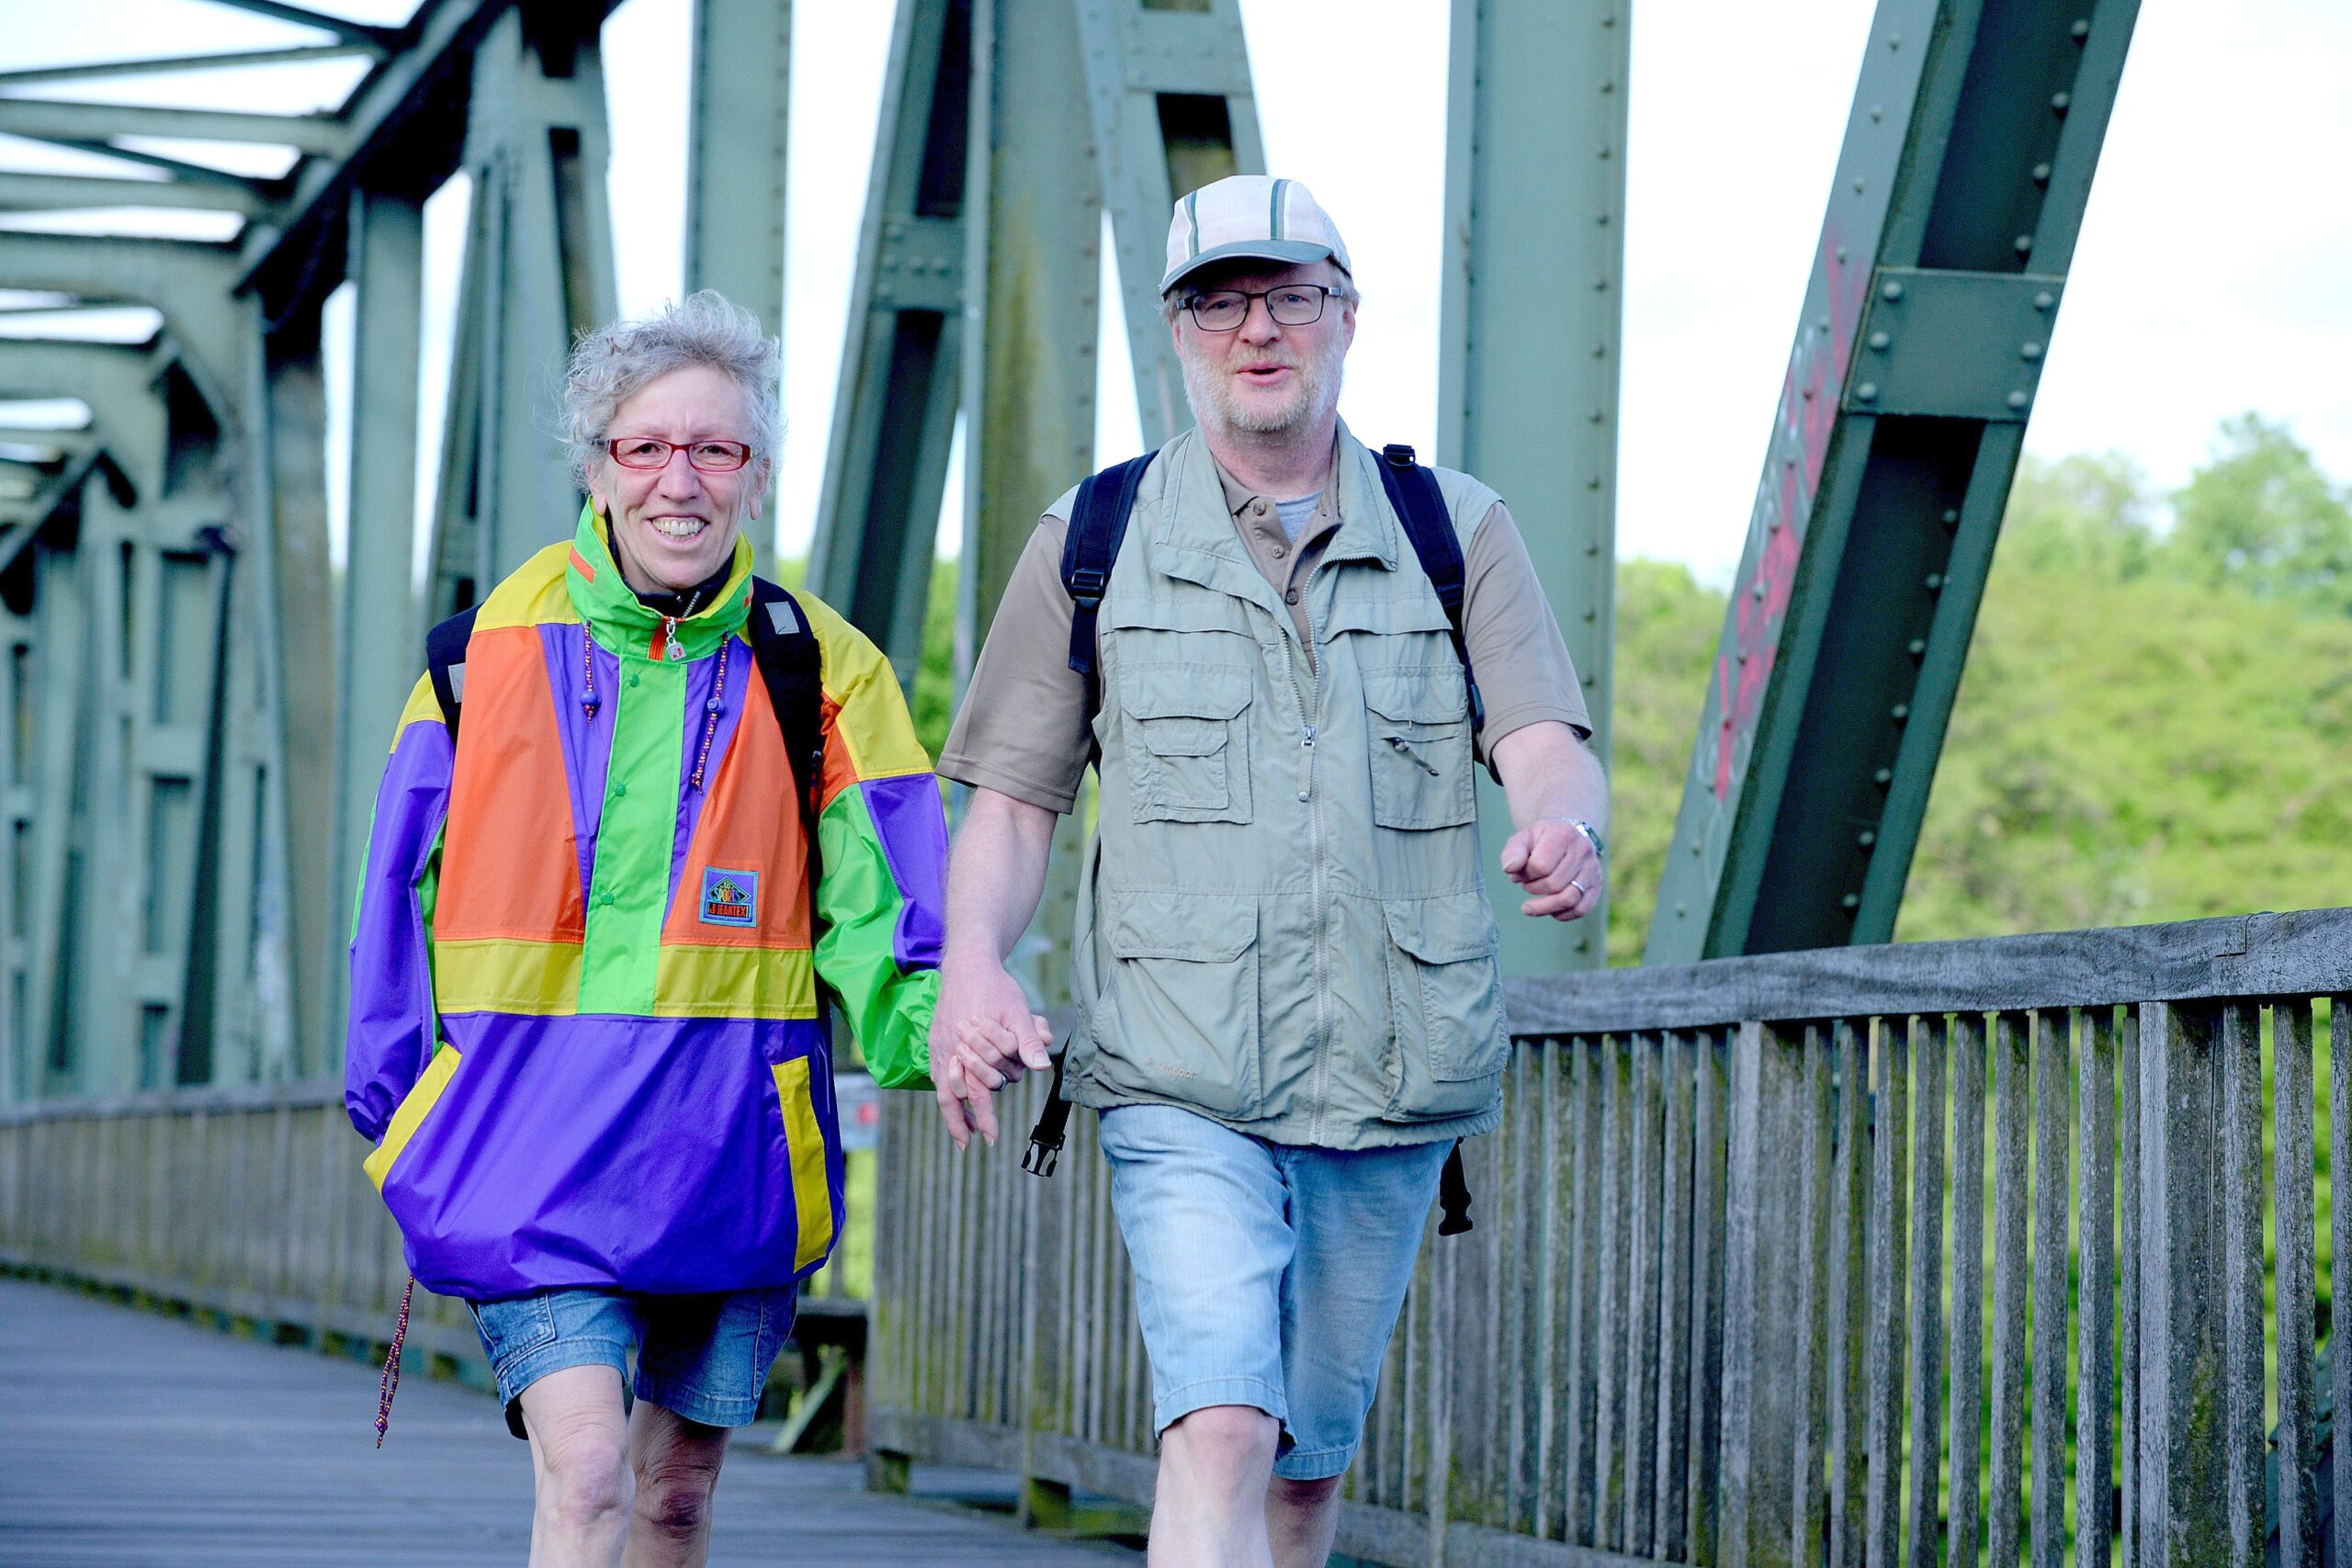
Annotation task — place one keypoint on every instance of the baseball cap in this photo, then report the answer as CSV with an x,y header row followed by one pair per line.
x,y
1255,216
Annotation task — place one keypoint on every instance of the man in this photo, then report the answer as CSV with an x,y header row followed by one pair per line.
x,y
1285,960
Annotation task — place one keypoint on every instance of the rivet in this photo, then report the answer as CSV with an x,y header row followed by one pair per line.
x,y
1601,351
1935,581
1600,284
1858,187
1822,325
1786,463
1841,249
1880,340
1609,86
1866,391
2019,399
2029,351
2042,174
1590,613
1878,112
1891,290
1885,776
1919,646
2081,29
1592,549
1592,481
1852,900
1604,154
1807,394
1680,912
1951,516
1866,838
1899,712
2024,244
2058,102
2044,300
1758,590
1894,40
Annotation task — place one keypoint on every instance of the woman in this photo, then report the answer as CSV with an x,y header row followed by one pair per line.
x,y
586,1031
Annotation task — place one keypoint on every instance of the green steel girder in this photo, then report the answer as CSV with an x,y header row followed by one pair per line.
x,y
187,281
60,193
736,153
894,417
1169,96
116,380
1528,332
152,64
55,119
378,39
1969,153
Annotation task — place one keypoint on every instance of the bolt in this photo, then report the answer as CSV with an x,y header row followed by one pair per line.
x,y
2024,244
1599,284
2044,300
2081,29
1694,846
1878,112
1899,712
1592,549
1592,481
1680,912
1894,40
2018,399
1866,391
1951,516
1591,613
1807,394
2058,102
1760,588
1852,900
1841,253
2042,174
1597,415
1879,340
1866,838
1609,86
1918,647
1822,325
1858,187
2029,351
1601,351
1883,777
1935,582
1604,154
1891,290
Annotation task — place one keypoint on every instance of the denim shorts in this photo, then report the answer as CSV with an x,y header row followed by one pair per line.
x,y
704,1357
1266,1274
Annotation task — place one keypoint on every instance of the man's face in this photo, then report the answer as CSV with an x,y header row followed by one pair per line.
x,y
1261,377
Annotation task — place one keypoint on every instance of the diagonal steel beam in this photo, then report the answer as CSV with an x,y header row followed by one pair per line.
x,y
154,64
50,120
375,38
63,193
178,168
1968,159
189,282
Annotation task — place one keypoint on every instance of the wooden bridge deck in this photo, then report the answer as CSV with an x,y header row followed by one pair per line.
x,y
133,1441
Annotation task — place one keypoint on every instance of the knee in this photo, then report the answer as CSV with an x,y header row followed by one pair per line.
x,y
673,1495
1307,1496
584,1475
1225,1437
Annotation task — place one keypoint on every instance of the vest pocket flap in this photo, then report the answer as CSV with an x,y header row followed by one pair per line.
x,y
1185,690
1203,928
1397,613
1449,929
1178,612
1430,694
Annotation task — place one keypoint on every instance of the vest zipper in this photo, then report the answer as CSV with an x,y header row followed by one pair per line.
x,y
1314,854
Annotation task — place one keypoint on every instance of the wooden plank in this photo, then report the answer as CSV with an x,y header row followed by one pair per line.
x,y
1927,1366
2095,1344
1578,1480
1670,1528
1812,1343
1707,1120
2304,952
1889,1216
1641,1302
1849,1223
1763,1384
2339,1227
2012,1089
2241,1193
2128,1325
2297,1284
1609,1382
2051,1128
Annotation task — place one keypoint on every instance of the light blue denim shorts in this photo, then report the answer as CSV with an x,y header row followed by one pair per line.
x,y
704,1357
1267,1274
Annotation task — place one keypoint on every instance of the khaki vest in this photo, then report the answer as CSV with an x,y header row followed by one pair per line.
x,y
1283,924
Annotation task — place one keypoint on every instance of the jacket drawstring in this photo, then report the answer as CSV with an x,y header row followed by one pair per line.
x,y
391,1380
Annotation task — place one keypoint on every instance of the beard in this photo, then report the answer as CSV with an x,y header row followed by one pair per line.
x,y
1209,388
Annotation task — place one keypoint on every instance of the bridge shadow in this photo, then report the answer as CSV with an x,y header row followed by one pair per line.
x,y
128,1438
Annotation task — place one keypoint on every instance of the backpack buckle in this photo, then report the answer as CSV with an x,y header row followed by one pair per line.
x,y
1040,1158
1087,583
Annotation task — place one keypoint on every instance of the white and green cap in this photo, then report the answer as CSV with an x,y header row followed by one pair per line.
x,y
1253,216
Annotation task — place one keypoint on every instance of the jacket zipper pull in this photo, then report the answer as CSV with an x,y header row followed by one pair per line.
x,y
1404,749
671,650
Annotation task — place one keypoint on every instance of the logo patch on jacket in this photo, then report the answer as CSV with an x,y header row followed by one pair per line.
x,y
731,898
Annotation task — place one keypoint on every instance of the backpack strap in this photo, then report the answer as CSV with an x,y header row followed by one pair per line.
x,y
1098,524
1429,524
785,647
445,662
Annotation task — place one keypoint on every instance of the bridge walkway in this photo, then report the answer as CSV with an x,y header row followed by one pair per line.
x,y
131,1440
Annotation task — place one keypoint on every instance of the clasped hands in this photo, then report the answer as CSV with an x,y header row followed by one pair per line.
x,y
982,1038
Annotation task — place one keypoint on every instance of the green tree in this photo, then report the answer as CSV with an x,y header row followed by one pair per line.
x,y
2261,514
1667,626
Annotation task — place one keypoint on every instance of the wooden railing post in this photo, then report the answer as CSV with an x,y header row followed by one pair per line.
x,y
1765,1255
2183,1461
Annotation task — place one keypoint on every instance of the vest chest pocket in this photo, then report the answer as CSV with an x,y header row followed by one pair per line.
x,y
1418,727
1188,748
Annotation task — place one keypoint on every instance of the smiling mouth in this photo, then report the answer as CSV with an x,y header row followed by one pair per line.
x,y
679,527
1262,373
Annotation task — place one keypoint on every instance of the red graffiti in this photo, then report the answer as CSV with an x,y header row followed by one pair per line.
x,y
1807,416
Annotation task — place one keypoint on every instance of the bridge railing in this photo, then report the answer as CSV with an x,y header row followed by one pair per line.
x,y
1870,1256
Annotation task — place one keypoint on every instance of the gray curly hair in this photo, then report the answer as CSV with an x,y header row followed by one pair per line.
x,y
614,363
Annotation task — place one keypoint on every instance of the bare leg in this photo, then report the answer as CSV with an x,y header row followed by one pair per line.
x,y
579,1447
1210,1510
676,1465
1301,1519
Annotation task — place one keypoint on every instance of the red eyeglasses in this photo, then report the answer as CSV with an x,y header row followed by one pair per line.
x,y
650,452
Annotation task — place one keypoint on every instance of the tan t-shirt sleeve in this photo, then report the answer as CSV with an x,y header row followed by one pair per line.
x,y
1524,673
1022,731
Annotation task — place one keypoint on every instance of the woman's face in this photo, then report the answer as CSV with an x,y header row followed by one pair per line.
x,y
674,526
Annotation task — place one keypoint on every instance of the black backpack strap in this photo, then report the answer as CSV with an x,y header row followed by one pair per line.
x,y
785,647
445,662
1429,524
1453,1194
1098,523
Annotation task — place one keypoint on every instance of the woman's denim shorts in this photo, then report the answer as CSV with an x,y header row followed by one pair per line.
x,y
704,1357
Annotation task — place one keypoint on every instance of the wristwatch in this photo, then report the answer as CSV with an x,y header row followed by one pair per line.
x,y
1592,833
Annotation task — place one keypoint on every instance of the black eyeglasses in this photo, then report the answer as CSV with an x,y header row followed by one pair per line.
x,y
1292,305
652,452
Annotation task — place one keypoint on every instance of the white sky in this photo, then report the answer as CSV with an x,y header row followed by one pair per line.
x,y
2211,276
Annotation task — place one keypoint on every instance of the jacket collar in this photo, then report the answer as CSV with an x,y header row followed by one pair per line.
x,y
1199,536
620,621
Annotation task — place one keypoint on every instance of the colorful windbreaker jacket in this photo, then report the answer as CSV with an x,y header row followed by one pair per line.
x,y
585,1030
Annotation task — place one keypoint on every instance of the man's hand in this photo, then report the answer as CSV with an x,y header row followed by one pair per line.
x,y
1555,863
982,1037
